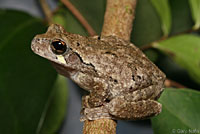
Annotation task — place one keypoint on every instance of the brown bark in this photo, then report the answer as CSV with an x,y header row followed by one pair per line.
x,y
101,126
118,18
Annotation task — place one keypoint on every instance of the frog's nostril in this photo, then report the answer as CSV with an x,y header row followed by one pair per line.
x,y
35,40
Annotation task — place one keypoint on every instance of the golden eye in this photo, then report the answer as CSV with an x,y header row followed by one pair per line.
x,y
58,46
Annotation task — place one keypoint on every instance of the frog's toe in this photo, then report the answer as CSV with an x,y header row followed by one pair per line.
x,y
95,113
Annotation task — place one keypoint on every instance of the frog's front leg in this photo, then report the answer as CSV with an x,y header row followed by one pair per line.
x,y
120,108
97,87
93,105
98,94
93,113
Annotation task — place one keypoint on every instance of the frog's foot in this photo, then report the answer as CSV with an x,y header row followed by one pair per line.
x,y
123,109
95,113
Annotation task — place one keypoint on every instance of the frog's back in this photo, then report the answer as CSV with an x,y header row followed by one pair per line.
x,y
117,59
94,49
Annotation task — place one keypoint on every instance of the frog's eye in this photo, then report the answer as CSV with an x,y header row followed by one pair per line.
x,y
58,46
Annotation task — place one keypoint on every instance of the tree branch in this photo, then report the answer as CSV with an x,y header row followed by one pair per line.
x,y
101,126
118,18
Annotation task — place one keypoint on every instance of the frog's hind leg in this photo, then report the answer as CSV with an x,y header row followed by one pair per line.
x,y
152,92
123,109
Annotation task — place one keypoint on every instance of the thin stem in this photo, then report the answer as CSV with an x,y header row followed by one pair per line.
x,y
78,15
46,10
147,46
171,83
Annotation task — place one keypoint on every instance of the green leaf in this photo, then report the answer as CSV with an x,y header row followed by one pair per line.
x,y
60,18
195,9
185,51
163,9
180,112
181,16
146,27
26,80
55,108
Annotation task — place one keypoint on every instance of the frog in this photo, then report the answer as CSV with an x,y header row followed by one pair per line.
x,y
122,82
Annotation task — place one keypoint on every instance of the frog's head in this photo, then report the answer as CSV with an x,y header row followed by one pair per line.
x,y
54,46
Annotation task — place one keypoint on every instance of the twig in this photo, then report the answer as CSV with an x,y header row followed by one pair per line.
x,y
118,18
171,83
78,15
47,11
147,46
117,21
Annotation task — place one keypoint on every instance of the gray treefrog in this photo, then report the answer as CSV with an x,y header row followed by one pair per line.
x,y
123,83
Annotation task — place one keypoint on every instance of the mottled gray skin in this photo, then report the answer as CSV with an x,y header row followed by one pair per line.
x,y
123,83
